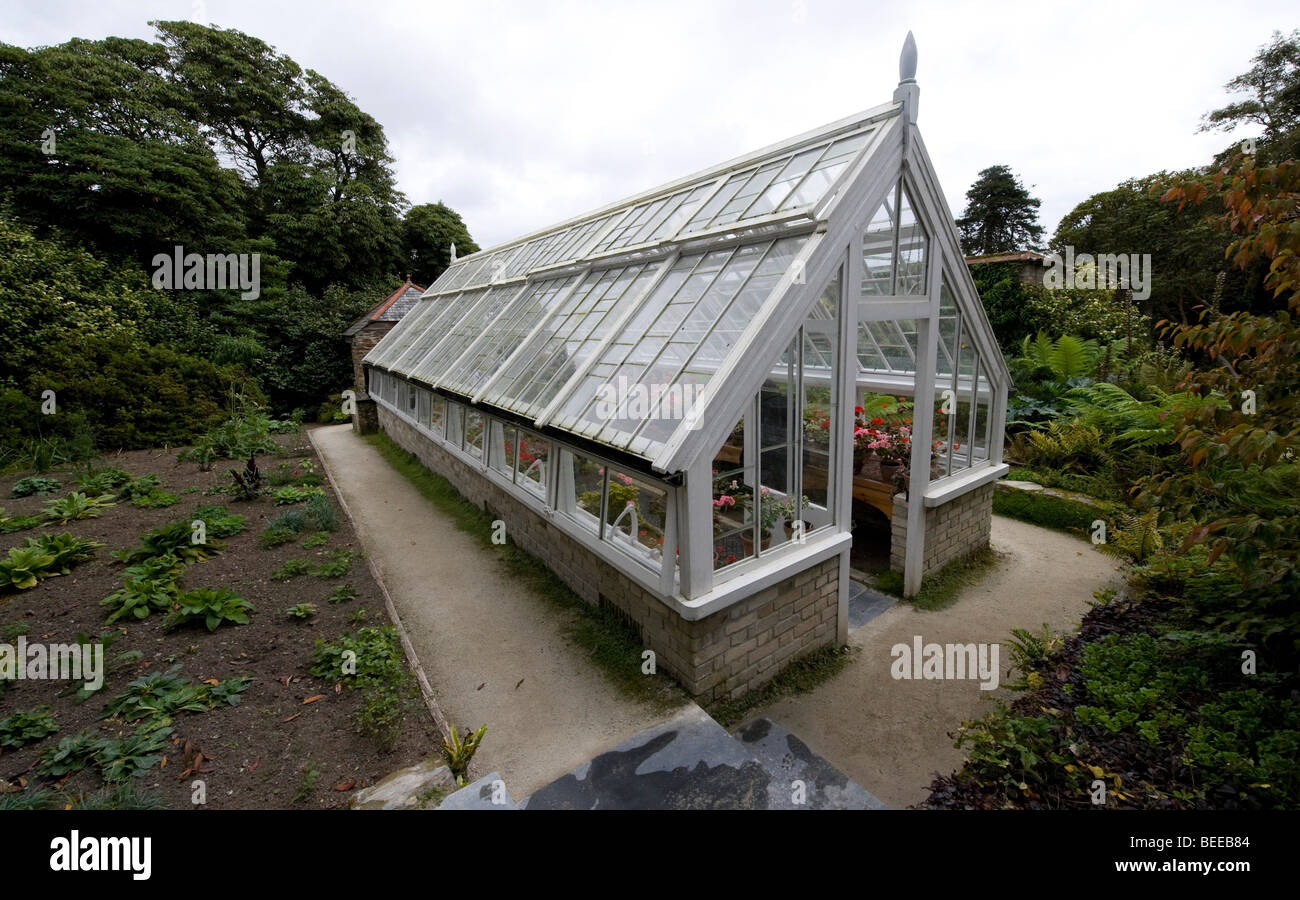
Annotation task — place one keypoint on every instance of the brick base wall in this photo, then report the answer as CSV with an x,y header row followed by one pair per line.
x,y
366,419
952,531
720,657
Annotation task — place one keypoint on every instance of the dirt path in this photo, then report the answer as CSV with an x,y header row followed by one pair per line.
x,y
476,635
891,736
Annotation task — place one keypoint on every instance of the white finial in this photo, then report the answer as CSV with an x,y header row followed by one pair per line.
x,y
907,61
453,251
908,93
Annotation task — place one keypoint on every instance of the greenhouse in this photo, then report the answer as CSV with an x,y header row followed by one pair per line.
x,y
677,401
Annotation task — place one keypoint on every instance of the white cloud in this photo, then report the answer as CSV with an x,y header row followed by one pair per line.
x,y
522,114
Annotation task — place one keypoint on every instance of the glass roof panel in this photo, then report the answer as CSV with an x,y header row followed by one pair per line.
x,y
545,365
449,309
488,353
457,334
400,335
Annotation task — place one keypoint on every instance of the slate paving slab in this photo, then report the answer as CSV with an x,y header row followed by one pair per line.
x,y
866,603
800,778
691,762
489,792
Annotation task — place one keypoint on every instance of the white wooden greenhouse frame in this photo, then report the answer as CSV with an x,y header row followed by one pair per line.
x,y
763,271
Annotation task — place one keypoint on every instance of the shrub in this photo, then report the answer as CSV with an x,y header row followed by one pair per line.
x,y
1052,512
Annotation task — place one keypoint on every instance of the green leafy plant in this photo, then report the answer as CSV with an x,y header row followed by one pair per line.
x,y
34,484
377,653
338,565
122,759
69,755
302,611
459,752
384,707
156,500
164,694
322,514
275,536
291,569
66,548
219,522
105,481
25,567
319,539
76,506
174,539
1137,536
27,726
212,607
147,587
344,593
10,524
138,488
291,494
310,775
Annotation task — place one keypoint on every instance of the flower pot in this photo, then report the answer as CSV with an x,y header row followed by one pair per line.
x,y
888,469
747,541
789,530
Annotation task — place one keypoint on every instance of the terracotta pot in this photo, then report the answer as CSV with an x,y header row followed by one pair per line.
x,y
888,469
747,541
789,530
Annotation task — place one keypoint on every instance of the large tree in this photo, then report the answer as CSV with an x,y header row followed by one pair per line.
x,y
428,231
1273,102
1000,215
1186,249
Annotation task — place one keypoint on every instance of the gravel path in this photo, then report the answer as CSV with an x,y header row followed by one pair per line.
x,y
891,736
476,635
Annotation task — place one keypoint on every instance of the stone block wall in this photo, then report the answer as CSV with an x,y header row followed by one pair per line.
x,y
720,657
952,531
362,343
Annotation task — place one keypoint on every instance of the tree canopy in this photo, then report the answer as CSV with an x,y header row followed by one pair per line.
x,y
1000,215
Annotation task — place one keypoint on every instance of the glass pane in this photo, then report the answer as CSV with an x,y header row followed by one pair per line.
x,y
502,449
474,433
912,255
828,168
455,424
635,516
820,383
733,490
581,485
878,251
530,467
437,414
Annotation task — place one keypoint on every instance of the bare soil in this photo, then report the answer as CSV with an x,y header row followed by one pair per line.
x,y
260,753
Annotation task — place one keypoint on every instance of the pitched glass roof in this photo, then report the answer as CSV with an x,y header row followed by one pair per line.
x,y
653,295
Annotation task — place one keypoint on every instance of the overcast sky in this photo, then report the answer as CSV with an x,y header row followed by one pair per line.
x,y
522,114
